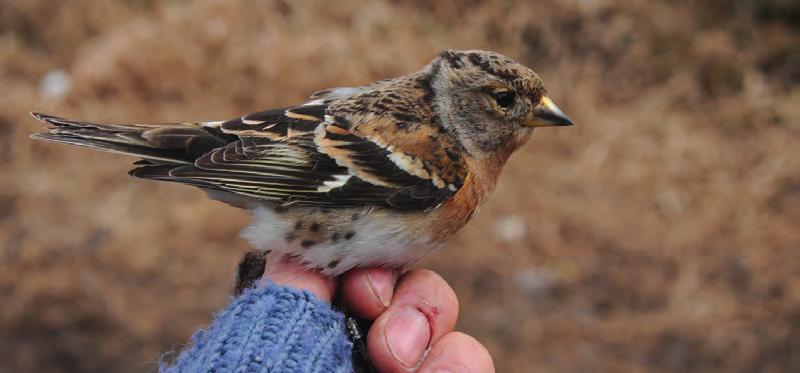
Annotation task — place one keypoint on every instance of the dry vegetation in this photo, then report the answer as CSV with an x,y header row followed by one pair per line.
x,y
659,234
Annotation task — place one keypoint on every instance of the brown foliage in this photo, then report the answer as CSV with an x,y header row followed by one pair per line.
x,y
659,233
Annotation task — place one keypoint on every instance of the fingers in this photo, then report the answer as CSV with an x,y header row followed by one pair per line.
x,y
457,352
286,272
367,292
423,309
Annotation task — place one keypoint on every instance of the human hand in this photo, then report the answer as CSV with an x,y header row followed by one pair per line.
x,y
411,314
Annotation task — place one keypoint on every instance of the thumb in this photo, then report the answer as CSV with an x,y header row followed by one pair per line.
x,y
284,271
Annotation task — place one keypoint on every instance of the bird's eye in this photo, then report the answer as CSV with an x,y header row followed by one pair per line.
x,y
504,98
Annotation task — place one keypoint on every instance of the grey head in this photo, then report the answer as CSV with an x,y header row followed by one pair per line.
x,y
491,102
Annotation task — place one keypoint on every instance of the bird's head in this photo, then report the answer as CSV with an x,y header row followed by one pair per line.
x,y
490,101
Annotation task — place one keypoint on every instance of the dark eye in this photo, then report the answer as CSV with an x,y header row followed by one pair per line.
x,y
504,98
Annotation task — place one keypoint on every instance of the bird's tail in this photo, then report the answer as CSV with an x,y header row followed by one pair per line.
x,y
168,143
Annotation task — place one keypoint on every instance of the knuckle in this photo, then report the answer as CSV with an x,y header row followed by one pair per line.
x,y
479,353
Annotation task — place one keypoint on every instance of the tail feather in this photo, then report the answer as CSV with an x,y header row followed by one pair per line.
x,y
171,143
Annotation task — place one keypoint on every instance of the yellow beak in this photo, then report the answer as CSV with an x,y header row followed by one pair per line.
x,y
547,114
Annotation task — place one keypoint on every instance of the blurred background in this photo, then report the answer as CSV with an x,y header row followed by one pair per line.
x,y
658,234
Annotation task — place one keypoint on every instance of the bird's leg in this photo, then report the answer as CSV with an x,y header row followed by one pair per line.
x,y
356,329
251,268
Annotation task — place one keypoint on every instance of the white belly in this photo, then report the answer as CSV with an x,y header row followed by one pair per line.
x,y
376,238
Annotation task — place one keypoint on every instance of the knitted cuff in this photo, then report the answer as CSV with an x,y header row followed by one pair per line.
x,y
270,329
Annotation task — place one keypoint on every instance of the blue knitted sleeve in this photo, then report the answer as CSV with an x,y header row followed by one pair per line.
x,y
270,329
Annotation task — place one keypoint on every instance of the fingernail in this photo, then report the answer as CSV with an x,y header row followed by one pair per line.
x,y
407,335
381,282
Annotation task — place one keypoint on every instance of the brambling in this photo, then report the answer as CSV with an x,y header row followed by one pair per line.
x,y
377,175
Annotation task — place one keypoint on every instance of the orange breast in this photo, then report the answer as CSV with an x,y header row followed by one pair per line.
x,y
459,209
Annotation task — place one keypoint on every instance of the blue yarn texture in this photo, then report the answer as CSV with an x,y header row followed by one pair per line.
x,y
270,329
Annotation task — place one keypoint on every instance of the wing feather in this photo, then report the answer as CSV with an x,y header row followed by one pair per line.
x,y
298,155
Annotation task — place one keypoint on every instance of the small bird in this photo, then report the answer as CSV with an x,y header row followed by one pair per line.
x,y
377,175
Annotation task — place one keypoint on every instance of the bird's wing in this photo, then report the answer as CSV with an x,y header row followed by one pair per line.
x,y
302,155
163,143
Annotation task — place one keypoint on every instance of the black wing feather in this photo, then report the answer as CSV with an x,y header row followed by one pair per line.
x,y
269,155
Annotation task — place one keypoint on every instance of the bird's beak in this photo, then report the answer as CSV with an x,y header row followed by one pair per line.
x,y
547,114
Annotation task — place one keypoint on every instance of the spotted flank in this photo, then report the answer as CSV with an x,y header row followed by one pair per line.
x,y
334,241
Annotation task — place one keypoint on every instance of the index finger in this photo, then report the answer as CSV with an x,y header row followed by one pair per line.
x,y
367,292
285,271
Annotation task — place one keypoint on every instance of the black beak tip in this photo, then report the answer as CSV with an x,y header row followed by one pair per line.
x,y
555,119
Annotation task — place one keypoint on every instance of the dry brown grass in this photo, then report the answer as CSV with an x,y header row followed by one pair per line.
x,y
659,234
